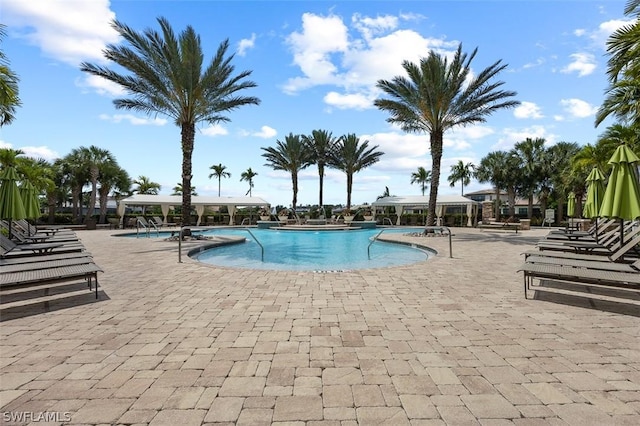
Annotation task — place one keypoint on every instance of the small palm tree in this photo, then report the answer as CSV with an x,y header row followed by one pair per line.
x,y
438,95
350,156
248,176
461,172
491,169
531,153
219,172
146,186
177,190
167,77
290,156
95,159
421,177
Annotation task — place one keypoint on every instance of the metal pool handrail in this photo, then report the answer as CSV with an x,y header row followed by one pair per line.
x,y
241,229
374,239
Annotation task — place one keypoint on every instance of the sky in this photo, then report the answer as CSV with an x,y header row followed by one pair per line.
x,y
316,65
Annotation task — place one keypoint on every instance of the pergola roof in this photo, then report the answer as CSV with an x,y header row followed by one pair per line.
x,y
402,202
415,201
197,201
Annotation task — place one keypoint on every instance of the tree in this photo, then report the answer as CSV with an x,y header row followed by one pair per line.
x,y
421,177
76,176
561,155
623,67
167,78
351,156
146,186
461,172
95,159
531,154
219,173
248,176
112,177
438,95
290,156
177,190
491,169
9,91
321,144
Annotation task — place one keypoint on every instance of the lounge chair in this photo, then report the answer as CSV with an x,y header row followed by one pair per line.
x,y
600,230
620,254
50,273
582,275
22,237
10,248
606,246
15,260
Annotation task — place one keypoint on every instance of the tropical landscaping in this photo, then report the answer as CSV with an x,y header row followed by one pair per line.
x,y
436,95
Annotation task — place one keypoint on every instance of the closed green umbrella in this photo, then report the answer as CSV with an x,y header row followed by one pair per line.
x,y
622,196
30,199
595,194
11,206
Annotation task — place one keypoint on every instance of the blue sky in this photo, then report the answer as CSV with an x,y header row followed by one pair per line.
x,y
316,64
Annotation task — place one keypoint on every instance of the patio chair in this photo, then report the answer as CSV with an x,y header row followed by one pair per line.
x,y
10,248
601,228
581,275
15,260
628,249
23,237
608,244
52,272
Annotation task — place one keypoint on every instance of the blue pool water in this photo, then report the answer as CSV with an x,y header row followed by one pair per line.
x,y
311,250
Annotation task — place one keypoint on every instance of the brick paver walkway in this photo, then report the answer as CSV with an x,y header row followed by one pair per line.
x,y
448,341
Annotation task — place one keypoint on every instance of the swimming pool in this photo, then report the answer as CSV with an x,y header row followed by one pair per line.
x,y
321,251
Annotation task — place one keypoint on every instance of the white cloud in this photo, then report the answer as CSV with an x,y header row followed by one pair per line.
x,y
583,63
265,132
527,110
70,31
512,136
43,152
215,130
349,101
246,44
100,86
132,119
537,63
605,29
578,108
328,54
579,32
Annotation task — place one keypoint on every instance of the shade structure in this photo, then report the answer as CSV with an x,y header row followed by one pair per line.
x,y
11,206
571,204
622,196
595,194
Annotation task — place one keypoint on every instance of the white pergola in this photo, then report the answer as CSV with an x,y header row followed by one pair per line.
x,y
404,202
197,201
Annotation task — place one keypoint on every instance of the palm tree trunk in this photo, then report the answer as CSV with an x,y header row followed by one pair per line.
x,y
349,188
94,191
436,156
219,179
530,207
294,182
51,203
104,195
188,136
321,174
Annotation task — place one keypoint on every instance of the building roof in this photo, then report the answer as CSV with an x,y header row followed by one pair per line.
x,y
418,200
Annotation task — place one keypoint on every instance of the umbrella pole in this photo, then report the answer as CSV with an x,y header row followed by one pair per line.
x,y
596,230
621,232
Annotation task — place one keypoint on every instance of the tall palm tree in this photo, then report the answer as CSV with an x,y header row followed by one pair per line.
x,y
95,159
438,95
248,176
167,78
290,156
9,91
623,68
352,155
421,177
321,144
219,172
146,186
561,156
461,172
531,153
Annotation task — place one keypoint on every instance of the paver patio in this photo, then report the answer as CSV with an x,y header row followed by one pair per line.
x,y
447,341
